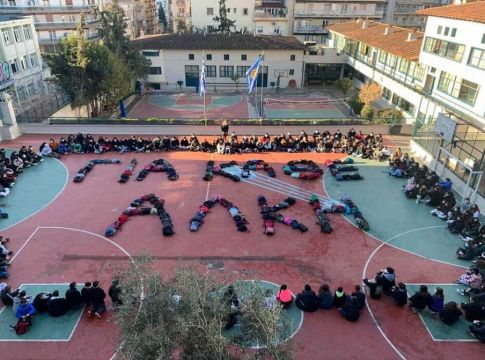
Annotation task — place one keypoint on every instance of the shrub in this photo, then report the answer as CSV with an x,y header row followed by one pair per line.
x,y
356,105
389,116
367,112
344,84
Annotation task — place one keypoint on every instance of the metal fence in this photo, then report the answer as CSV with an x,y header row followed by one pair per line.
x,y
42,109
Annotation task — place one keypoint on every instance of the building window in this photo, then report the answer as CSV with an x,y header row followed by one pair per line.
x,y
453,32
17,34
6,37
419,73
245,11
277,31
155,70
22,93
241,70
24,62
14,66
27,32
447,49
191,57
33,59
404,66
477,58
259,29
440,28
31,89
226,71
382,57
210,71
208,57
226,57
292,57
364,49
244,57
150,53
447,31
460,89
234,10
154,86
386,93
483,39
228,10
210,11
391,61
292,71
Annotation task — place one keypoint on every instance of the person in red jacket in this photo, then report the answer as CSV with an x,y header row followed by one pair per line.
x,y
285,297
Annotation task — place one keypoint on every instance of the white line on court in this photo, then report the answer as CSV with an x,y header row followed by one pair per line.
x,y
24,244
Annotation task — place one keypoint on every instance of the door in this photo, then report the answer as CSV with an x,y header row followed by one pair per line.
x,y
429,83
263,74
191,75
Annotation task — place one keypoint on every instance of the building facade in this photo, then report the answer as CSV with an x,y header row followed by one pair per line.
x,y
273,17
177,60
55,19
180,15
141,17
241,11
21,64
403,12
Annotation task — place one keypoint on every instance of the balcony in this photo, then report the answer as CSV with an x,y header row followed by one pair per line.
x,y
338,14
55,40
270,13
6,9
64,25
311,29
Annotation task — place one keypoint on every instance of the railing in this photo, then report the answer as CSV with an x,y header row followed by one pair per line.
x,y
64,24
264,12
349,13
310,30
42,9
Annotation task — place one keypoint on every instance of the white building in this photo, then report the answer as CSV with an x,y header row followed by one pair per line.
x,y
21,64
403,12
54,19
241,11
177,59
180,14
273,17
142,17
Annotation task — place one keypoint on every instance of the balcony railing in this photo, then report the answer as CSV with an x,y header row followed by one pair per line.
x,y
7,9
65,24
265,13
315,29
339,14
55,40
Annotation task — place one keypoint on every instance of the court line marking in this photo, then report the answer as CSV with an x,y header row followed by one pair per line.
x,y
46,205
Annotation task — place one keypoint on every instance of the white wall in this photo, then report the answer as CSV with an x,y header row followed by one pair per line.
x,y
200,19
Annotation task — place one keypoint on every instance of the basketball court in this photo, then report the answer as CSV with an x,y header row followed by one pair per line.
x,y
302,108
62,240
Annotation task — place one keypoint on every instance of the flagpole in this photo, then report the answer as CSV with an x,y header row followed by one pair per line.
x,y
205,86
262,83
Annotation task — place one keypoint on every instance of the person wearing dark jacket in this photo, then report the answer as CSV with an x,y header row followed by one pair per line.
x,y
325,298
97,300
400,294
477,329
307,300
339,297
7,295
114,293
360,296
450,313
41,302
421,299
350,310
86,293
73,297
57,306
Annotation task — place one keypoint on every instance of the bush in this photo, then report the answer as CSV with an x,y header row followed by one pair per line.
x,y
344,84
389,116
356,105
367,112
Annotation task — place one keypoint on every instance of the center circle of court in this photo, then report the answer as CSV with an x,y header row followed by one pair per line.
x,y
290,322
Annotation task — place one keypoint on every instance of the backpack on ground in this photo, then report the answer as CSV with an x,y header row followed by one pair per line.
x,y
21,327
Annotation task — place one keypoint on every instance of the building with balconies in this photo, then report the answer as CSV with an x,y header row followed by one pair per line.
x,y
181,12
241,11
55,19
271,17
311,17
403,12
141,17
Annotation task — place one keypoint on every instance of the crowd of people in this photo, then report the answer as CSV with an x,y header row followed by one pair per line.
x,y
353,142
91,296
5,254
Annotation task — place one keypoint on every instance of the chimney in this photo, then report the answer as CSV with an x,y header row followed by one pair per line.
x,y
365,24
412,36
388,30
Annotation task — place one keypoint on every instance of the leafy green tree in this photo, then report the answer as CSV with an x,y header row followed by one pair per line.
x,y
113,34
225,24
344,84
162,19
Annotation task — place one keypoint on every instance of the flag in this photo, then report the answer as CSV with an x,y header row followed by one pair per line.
x,y
202,80
252,74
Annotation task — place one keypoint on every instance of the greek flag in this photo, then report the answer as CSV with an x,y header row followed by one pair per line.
x,y
252,74
202,79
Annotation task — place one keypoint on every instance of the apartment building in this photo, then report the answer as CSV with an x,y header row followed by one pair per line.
x,y
403,12
55,19
241,11
141,17
180,14
273,17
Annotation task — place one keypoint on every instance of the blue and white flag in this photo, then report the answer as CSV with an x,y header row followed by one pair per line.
x,y
252,74
202,80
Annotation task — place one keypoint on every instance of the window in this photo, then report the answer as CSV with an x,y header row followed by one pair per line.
x,y
477,58
22,93
33,59
292,71
228,10
226,71
364,49
386,93
382,57
440,28
24,62
234,10
447,31
208,57
447,49
460,89
191,57
154,86
241,70
27,32
245,11
259,29
150,53
210,71
277,31
292,57
244,57
14,66
419,73
210,11
226,57
391,61
6,37
31,89
403,66
280,73
17,34
453,32
483,39
155,70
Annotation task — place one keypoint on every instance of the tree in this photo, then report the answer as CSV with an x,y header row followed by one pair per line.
x,y
89,73
370,93
184,317
225,24
344,84
113,34
161,16
367,112
181,26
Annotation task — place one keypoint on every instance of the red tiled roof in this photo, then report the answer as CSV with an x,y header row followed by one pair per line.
x,y
474,11
396,42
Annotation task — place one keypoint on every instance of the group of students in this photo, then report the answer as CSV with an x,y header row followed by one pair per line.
x,y
4,257
92,296
366,146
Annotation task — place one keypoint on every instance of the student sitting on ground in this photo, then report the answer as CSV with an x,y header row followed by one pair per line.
x,y
477,329
420,300
471,278
307,300
400,294
360,296
41,302
57,306
284,296
7,295
384,281
339,297
450,313
73,297
86,293
325,297
25,311
18,299
438,301
269,299
350,310
98,295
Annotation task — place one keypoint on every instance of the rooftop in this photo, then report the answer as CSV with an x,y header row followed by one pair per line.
x,y
474,11
218,42
395,42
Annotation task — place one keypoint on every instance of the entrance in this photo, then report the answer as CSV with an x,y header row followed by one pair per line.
x,y
191,75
